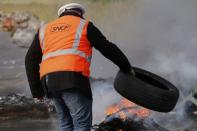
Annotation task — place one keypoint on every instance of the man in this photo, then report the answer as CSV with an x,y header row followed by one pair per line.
x,y
58,62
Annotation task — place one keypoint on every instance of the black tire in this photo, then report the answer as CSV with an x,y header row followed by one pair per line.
x,y
147,89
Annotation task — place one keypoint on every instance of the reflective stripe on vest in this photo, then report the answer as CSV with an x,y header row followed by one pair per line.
x,y
66,52
73,50
41,35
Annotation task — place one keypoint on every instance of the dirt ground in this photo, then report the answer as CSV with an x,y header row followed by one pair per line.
x,y
29,125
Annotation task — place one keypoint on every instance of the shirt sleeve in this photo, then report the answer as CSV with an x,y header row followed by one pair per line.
x,y
107,48
32,60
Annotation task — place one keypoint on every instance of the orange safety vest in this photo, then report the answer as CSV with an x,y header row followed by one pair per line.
x,y
65,46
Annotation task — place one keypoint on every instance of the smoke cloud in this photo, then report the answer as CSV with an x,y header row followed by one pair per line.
x,y
104,95
157,35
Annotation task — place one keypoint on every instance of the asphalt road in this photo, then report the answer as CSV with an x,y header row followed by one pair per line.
x,y
12,69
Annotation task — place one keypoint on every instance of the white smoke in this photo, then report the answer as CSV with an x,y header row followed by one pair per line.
x,y
157,35
104,95
148,30
178,69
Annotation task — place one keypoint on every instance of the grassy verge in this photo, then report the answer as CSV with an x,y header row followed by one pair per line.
x,y
43,11
47,9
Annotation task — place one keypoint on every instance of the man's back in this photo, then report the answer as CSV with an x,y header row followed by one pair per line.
x,y
63,53
65,46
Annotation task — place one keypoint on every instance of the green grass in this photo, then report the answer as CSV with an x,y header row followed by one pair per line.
x,y
40,10
47,9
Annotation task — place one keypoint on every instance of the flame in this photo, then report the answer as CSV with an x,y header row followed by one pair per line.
x,y
126,108
112,109
122,115
125,103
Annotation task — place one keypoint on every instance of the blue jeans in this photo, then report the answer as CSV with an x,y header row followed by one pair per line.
x,y
74,110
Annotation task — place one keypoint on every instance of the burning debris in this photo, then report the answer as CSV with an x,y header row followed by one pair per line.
x,y
22,26
117,124
127,108
18,106
127,116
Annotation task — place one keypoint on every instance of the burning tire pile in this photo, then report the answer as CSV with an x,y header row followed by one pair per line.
x,y
127,116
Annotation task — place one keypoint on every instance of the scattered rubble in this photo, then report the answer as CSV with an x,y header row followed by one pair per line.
x,y
22,26
18,106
